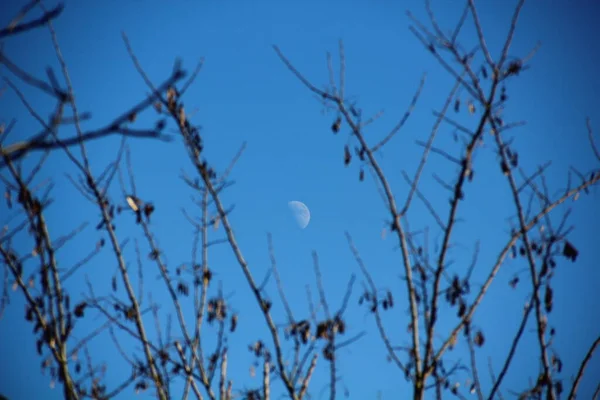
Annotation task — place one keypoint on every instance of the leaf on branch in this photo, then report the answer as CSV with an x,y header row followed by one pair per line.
x,y
234,321
514,68
347,156
322,331
171,93
390,299
153,255
257,348
471,107
164,357
130,313
360,153
183,289
503,96
206,276
339,325
100,225
134,203
470,174
513,282
336,125
462,309
29,314
217,309
548,297
79,309
141,386
328,352
454,389
559,387
160,124
148,210
514,160
557,363
479,339
570,252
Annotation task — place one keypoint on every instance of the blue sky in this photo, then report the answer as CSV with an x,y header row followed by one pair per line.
x,y
245,94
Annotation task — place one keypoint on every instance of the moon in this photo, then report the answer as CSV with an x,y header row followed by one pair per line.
x,y
301,213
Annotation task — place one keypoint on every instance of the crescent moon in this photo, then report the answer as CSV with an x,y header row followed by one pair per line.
x,y
301,213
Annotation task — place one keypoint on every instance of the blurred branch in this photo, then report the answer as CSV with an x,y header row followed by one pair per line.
x,y
18,150
582,368
405,117
591,138
14,28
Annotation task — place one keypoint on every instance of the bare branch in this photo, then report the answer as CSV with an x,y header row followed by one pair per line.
x,y
15,28
400,124
591,138
582,368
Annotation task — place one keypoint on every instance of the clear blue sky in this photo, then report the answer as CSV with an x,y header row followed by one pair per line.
x,y
244,93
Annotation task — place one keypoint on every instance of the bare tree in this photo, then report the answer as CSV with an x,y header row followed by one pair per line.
x,y
176,346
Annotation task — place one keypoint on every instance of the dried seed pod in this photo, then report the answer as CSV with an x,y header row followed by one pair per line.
x,y
548,297
479,339
484,72
134,203
148,210
570,252
471,107
335,127
234,321
347,156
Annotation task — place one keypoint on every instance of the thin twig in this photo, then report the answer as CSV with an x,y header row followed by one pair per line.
x,y
14,29
582,368
405,117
